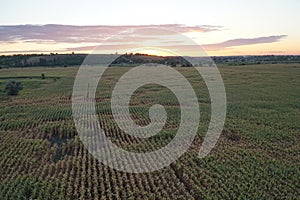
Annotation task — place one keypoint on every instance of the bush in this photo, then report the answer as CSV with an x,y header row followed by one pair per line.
x,y
43,76
13,87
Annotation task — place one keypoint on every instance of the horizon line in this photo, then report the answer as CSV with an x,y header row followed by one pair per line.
x,y
73,53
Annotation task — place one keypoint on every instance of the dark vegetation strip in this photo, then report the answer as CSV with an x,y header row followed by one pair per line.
x,y
30,77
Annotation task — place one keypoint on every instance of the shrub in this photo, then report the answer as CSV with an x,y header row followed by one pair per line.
x,y
13,87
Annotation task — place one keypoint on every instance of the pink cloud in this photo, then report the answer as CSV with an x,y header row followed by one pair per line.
x,y
159,35
87,34
243,42
171,45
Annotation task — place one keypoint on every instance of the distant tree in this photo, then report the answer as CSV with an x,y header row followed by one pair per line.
x,y
173,64
42,61
43,76
13,87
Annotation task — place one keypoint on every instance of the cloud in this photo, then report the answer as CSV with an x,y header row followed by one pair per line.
x,y
53,33
23,51
243,42
120,37
171,45
108,47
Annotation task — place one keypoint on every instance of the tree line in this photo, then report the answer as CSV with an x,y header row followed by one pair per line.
x,y
64,60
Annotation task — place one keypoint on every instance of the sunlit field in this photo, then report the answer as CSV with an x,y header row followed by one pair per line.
x,y
256,157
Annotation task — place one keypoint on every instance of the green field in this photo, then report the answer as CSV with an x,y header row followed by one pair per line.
x,y
257,156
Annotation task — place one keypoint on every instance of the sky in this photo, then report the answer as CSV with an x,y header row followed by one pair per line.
x,y
231,27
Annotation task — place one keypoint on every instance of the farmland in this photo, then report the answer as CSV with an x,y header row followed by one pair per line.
x,y
256,157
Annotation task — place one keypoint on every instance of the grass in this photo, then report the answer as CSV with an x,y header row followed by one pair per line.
x,y
257,156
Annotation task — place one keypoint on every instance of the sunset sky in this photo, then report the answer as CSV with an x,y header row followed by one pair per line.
x,y
231,27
